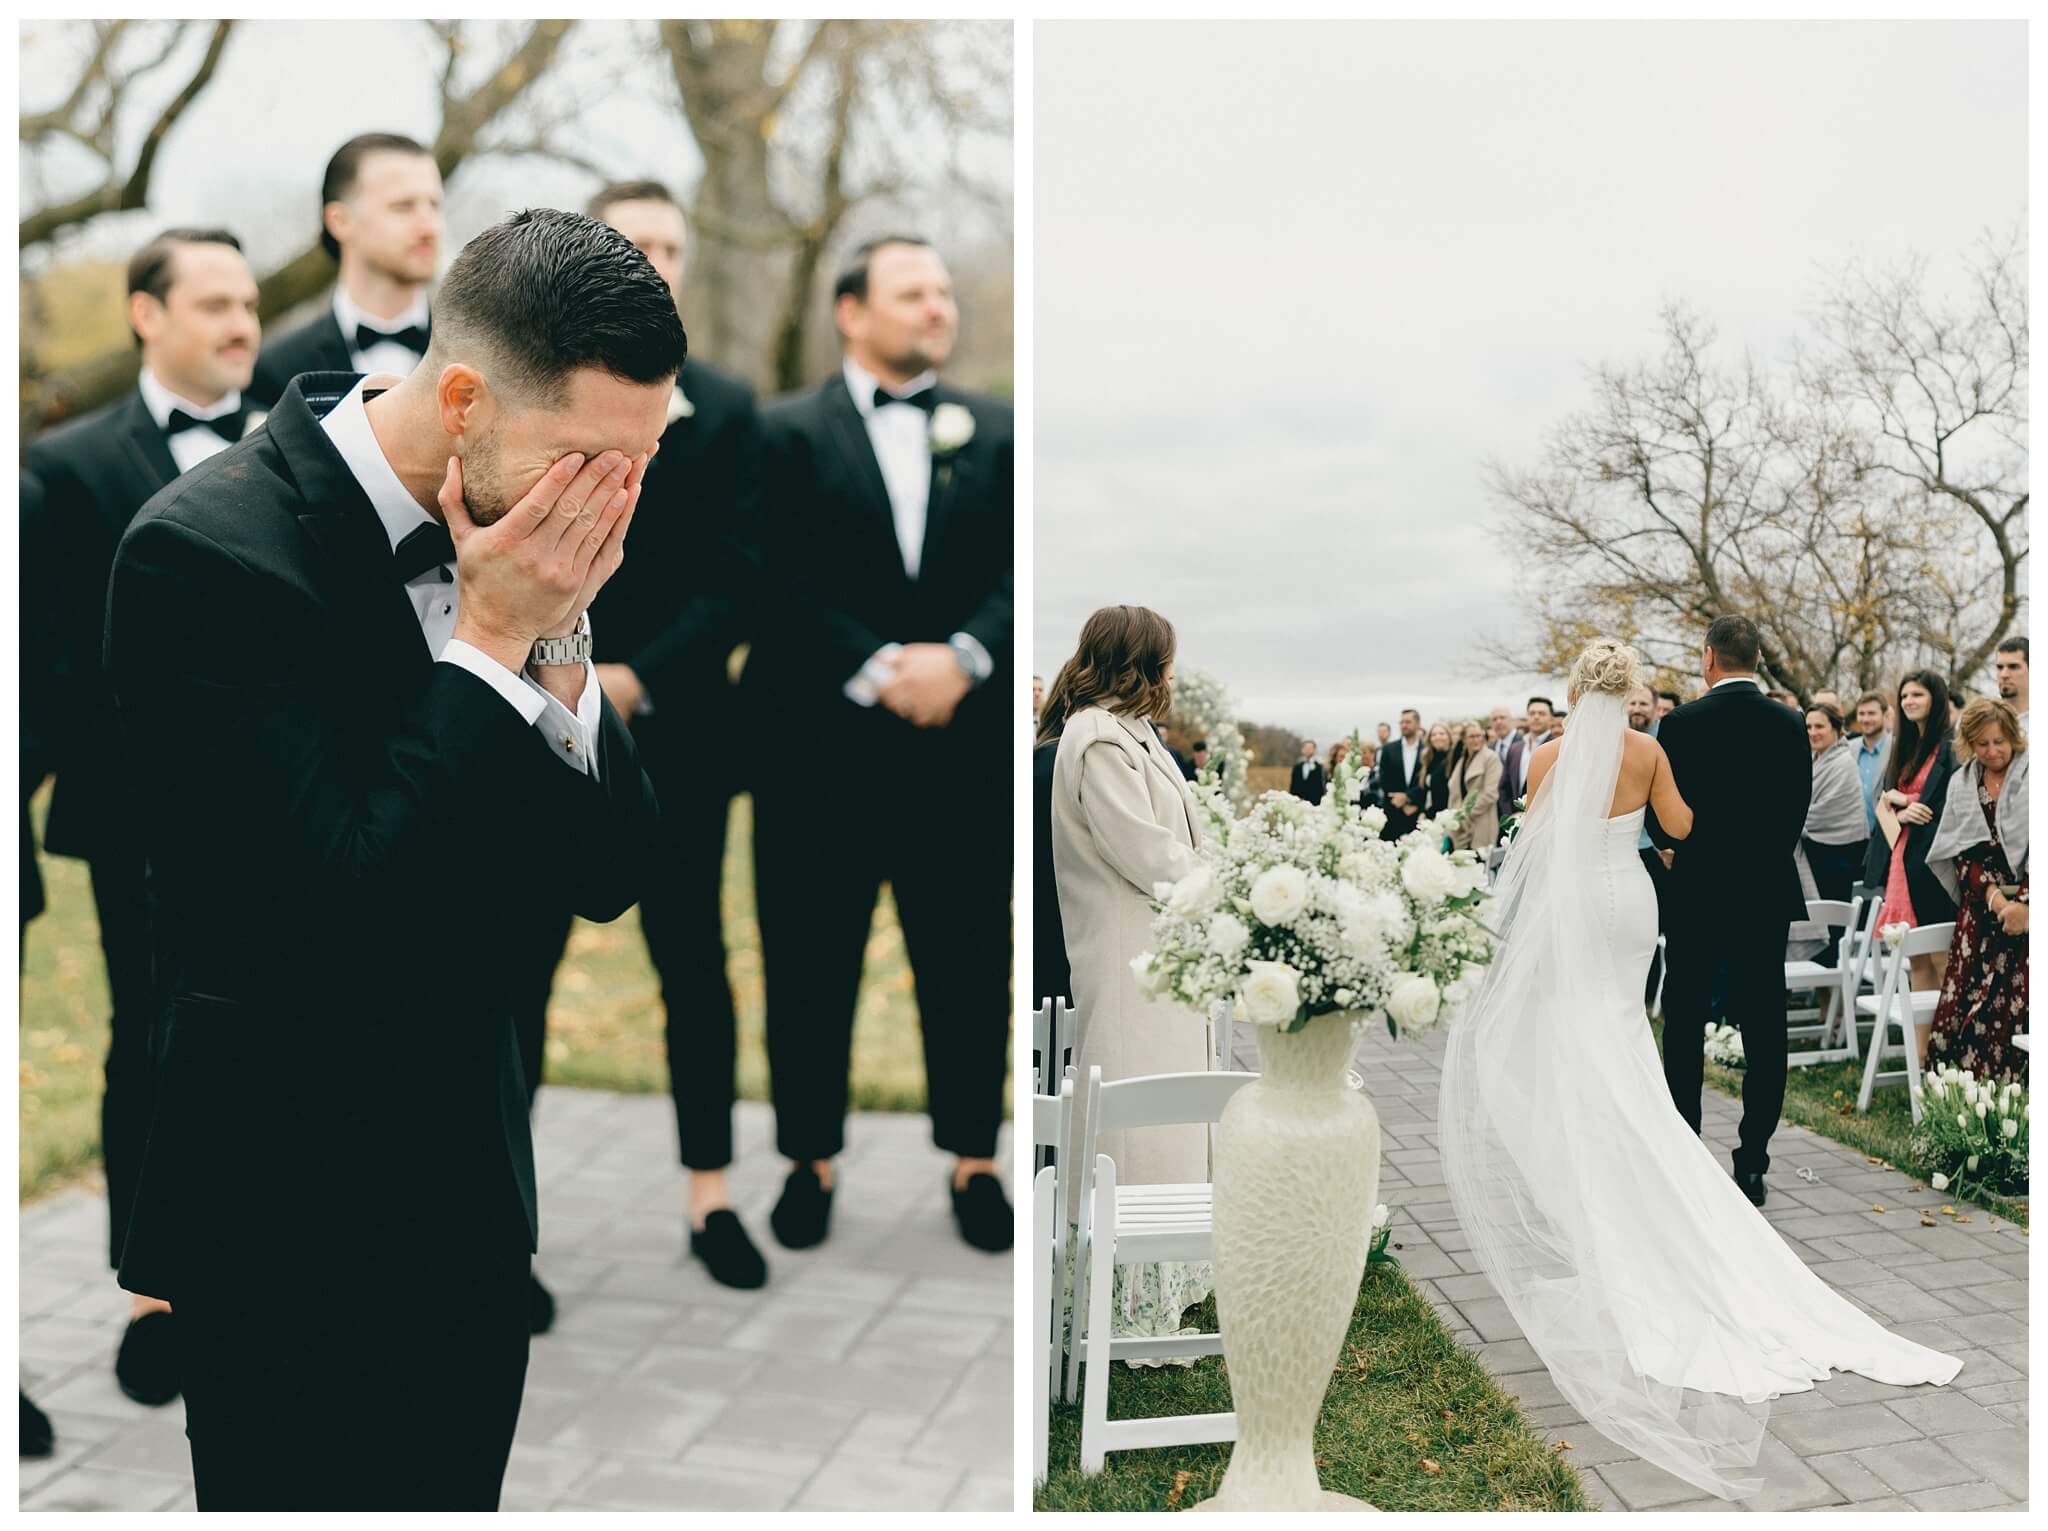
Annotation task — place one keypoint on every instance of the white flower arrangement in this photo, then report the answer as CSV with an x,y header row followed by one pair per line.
x,y
1204,710
1724,1046
951,429
1986,1148
1891,935
1299,910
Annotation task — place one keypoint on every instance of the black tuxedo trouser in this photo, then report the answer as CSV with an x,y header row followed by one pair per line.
x,y
1835,870
943,845
679,916
121,901
394,1388
1749,959
1660,874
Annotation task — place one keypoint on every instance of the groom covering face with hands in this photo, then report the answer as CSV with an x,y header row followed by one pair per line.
x,y
352,668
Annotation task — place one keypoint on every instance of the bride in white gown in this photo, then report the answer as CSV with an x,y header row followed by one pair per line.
x,y
1666,1308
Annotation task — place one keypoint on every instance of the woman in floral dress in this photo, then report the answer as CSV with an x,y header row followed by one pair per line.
x,y
1978,852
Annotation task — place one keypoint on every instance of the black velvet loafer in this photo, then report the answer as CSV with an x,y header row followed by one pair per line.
x,y
728,1254
983,1212
37,1438
147,1364
540,1306
804,1212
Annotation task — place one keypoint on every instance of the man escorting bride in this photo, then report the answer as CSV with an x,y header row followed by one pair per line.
x,y
1667,1311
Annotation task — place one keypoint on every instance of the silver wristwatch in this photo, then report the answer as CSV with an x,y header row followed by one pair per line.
x,y
970,662
573,649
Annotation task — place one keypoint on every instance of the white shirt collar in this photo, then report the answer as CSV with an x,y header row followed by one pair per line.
x,y
348,427
862,384
1739,680
348,316
160,401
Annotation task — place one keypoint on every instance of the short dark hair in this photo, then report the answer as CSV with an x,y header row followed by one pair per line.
x,y
1672,697
1735,642
149,268
1829,711
630,191
347,164
1546,701
853,276
1870,697
2016,644
1199,744
544,293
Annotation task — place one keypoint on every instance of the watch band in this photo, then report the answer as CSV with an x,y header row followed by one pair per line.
x,y
572,649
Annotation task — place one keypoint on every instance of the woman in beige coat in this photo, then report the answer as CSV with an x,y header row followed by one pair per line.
x,y
1476,780
1122,821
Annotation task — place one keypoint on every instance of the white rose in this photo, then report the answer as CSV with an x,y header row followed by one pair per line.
x,y
1227,936
1145,969
952,428
1373,820
1280,894
1193,893
1413,1004
1939,1182
1344,997
1269,994
1428,876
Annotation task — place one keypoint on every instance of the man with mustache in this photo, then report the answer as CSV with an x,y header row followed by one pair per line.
x,y
380,219
192,310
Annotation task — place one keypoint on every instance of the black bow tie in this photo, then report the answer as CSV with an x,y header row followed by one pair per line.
x,y
228,427
413,337
423,548
926,398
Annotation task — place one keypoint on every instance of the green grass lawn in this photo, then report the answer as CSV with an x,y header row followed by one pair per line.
x,y
1821,1097
604,1026
1412,1421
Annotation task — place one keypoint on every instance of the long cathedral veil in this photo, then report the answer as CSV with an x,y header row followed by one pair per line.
x,y
1544,1087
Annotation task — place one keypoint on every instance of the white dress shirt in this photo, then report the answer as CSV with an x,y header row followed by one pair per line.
x,y
385,355
189,448
1739,680
901,437
434,601
1411,750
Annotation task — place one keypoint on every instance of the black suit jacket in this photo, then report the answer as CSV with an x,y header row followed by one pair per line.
x,y
315,346
1306,784
1742,764
1931,903
38,632
96,472
680,603
1392,777
341,832
834,587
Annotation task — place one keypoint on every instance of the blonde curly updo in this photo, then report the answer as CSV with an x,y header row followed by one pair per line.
x,y
1607,668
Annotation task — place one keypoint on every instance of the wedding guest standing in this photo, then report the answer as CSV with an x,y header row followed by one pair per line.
x,y
1401,777
1668,702
1476,789
1052,975
1308,780
2010,665
887,620
662,632
1436,770
1836,839
1873,751
380,222
192,310
351,660
1979,855
1514,782
1368,794
1122,820
1914,782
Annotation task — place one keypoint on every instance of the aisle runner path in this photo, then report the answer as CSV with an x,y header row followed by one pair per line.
x,y
1847,1443
871,1373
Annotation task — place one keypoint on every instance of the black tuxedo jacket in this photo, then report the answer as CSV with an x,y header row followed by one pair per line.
x,y
95,473
1307,783
341,835
1742,764
834,588
679,604
1392,778
315,346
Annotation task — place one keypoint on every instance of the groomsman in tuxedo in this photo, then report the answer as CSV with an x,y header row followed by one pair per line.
x,y
1742,763
888,627
1400,777
1307,781
351,658
192,310
380,219
662,632
1514,777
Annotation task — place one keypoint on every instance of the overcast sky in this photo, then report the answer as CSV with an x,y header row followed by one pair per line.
x,y
1296,283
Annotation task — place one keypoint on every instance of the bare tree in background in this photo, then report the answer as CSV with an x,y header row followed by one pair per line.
x,y
1831,506
471,107
798,139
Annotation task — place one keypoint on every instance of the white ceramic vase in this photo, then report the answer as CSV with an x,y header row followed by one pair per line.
x,y
1297,1174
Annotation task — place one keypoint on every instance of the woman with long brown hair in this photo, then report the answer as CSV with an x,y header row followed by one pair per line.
x,y
1122,820
1915,781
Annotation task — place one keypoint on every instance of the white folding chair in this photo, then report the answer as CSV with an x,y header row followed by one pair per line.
x,y
1045,1285
1898,1004
1129,1225
1052,1044
1050,1115
1825,985
1221,1017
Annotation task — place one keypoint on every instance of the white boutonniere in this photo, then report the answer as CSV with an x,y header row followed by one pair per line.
x,y
952,428
679,406
254,422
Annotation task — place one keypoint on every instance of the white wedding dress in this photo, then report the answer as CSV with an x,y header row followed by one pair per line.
x,y
1667,1309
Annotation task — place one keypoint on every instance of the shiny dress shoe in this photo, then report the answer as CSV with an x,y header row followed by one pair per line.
x,y
804,1212
983,1212
37,1438
147,1364
728,1254
1752,1186
540,1306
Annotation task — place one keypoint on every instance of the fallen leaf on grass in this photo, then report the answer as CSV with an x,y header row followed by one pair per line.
x,y
1873,1161
1430,1467
1180,1486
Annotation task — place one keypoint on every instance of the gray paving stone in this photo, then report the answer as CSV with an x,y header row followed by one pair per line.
x,y
1907,1466
1963,1496
1943,1411
2000,1456
1848,1476
1644,1487
1842,1429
